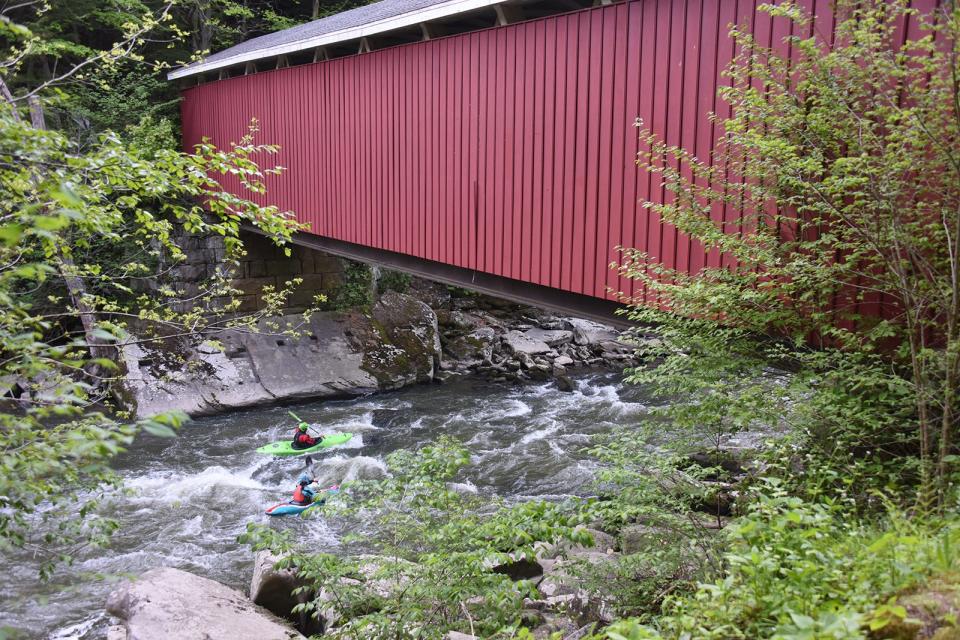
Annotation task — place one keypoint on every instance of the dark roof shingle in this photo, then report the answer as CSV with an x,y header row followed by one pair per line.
x,y
353,18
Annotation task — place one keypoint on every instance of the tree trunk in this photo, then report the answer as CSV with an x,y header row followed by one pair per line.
x,y
75,285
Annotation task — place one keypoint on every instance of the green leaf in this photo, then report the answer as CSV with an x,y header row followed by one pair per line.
x,y
103,334
10,234
157,429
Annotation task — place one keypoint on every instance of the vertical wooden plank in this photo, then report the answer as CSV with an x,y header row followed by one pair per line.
x,y
499,152
551,146
407,211
610,205
563,253
523,195
419,137
320,155
470,219
693,116
535,244
671,104
438,119
618,163
509,144
522,170
596,267
396,170
449,158
573,272
489,188
656,38
636,44
594,79
439,115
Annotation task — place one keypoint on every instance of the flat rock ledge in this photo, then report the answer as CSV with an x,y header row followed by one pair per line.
x,y
332,355
169,603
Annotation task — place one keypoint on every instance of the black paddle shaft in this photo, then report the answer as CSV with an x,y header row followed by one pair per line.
x,y
299,419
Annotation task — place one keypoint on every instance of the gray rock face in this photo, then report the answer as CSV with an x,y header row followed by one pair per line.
x,y
553,337
476,345
333,355
272,589
410,326
564,383
169,603
589,332
519,342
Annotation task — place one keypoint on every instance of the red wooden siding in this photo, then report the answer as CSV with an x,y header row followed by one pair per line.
x,y
509,151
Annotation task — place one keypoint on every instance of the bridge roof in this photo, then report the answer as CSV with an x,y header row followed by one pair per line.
x,y
370,19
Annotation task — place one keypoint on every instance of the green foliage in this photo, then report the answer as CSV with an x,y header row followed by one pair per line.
x,y
393,281
82,224
356,290
841,164
433,552
841,167
804,570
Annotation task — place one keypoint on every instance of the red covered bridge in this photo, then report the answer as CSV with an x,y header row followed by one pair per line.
x,y
483,143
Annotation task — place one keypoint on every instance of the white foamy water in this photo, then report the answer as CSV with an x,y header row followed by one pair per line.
x,y
190,497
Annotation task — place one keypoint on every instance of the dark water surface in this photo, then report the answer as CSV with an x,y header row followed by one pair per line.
x,y
193,495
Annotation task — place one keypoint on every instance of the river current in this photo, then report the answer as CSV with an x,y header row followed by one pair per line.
x,y
191,496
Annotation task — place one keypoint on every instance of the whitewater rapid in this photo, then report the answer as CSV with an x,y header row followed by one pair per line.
x,y
190,497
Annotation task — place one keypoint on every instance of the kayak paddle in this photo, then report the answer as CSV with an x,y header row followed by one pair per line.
x,y
299,419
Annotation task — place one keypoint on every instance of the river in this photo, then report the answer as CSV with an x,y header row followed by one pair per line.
x,y
193,495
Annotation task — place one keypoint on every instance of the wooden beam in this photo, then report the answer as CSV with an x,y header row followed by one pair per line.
x,y
282,62
508,14
320,53
425,30
250,68
364,46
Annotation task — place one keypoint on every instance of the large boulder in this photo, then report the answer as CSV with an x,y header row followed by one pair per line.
x,y
553,337
589,332
273,589
410,347
169,603
331,355
518,342
475,345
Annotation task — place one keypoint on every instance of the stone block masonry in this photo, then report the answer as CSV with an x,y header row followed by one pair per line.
x,y
263,265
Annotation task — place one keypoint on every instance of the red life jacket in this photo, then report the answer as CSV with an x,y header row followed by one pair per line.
x,y
299,497
303,439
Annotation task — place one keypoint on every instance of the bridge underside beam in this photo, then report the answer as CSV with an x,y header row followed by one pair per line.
x,y
514,290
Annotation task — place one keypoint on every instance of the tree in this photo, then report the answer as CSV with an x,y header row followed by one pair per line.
x,y
61,205
841,161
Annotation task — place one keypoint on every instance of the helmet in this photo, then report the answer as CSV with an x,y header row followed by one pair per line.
x,y
303,426
304,479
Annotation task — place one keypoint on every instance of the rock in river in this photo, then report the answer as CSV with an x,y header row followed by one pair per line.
x,y
518,342
168,603
273,589
589,332
332,355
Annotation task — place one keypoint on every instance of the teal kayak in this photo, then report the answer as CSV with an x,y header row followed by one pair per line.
x,y
285,447
291,508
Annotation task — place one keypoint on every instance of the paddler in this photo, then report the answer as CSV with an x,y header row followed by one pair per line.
x,y
305,491
302,439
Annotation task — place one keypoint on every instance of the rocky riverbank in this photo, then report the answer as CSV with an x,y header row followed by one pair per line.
x,y
427,333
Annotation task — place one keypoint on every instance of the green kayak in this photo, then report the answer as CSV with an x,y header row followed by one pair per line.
x,y
285,447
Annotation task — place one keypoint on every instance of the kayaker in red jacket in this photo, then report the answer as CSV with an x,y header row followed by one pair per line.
x,y
302,439
303,494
